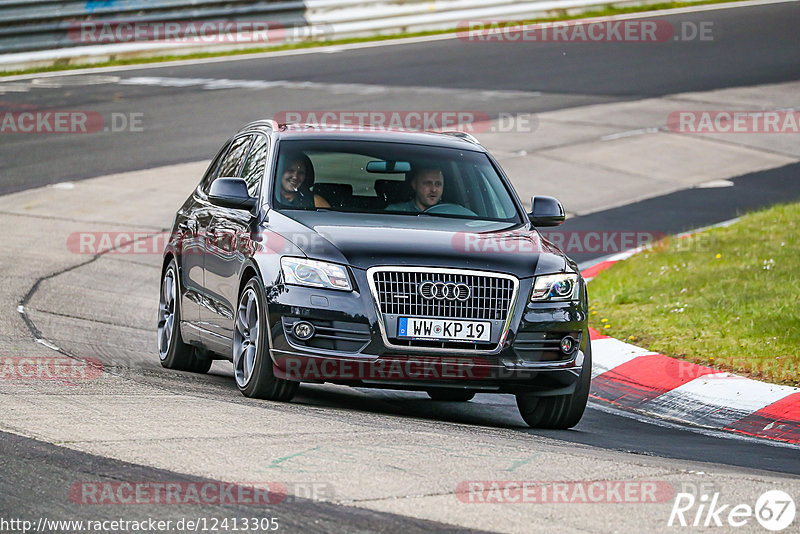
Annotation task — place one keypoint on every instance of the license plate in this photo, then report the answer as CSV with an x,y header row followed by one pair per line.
x,y
443,329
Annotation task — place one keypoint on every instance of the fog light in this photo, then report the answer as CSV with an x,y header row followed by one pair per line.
x,y
568,344
303,330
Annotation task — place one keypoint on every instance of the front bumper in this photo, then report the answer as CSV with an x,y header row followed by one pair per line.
x,y
350,345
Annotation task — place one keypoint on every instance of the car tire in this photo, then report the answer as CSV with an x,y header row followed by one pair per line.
x,y
173,352
252,364
560,411
450,395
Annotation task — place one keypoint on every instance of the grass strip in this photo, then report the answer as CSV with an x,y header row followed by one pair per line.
x,y
728,298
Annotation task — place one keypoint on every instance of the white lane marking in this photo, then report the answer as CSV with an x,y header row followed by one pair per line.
x,y
47,344
216,84
56,82
63,185
609,353
213,84
14,87
380,43
53,82
718,399
712,184
21,309
630,133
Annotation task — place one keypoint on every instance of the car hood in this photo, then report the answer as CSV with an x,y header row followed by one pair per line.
x,y
366,240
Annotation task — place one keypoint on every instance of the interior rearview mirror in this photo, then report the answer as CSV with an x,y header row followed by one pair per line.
x,y
389,166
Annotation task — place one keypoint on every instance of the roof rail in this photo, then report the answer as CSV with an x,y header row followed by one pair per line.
x,y
307,125
462,135
268,123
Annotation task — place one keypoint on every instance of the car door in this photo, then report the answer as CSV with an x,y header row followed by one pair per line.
x,y
192,217
226,239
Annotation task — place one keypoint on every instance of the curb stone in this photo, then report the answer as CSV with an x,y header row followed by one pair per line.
x,y
636,379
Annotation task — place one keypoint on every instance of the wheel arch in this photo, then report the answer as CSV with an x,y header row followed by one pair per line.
x,y
251,269
168,257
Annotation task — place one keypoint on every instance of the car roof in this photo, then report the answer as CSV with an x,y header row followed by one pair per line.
x,y
447,139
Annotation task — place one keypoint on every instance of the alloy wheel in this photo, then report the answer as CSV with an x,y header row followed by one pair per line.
x,y
246,337
166,313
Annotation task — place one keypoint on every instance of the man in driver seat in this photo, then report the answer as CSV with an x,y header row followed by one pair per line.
x,y
427,184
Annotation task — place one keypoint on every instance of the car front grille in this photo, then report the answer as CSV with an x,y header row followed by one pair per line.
x,y
398,293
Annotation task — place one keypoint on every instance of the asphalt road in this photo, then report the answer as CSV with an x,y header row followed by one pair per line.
x,y
749,46
23,496
694,208
752,46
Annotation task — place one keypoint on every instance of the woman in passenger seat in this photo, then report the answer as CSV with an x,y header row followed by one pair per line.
x,y
296,179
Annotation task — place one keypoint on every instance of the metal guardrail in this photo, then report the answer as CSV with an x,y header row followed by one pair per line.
x,y
37,33
27,25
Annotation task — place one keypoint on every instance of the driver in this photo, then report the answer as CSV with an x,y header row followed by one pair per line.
x,y
428,185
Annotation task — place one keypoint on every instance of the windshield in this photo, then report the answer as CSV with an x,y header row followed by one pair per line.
x,y
389,178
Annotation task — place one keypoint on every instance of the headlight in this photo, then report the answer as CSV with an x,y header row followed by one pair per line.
x,y
555,287
303,272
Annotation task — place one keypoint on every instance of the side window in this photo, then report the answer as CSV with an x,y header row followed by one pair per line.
x,y
255,165
213,169
233,159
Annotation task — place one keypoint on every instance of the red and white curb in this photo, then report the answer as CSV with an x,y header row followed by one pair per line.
x,y
636,379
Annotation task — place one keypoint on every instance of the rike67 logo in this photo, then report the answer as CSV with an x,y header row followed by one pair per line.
x,y
774,510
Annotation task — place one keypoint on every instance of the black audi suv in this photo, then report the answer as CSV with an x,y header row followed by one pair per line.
x,y
373,258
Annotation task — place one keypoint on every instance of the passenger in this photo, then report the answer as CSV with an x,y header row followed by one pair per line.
x,y
296,180
428,185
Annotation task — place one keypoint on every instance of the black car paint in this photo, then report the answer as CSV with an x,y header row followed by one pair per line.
x,y
234,244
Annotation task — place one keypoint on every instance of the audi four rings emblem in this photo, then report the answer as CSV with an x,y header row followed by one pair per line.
x,y
444,291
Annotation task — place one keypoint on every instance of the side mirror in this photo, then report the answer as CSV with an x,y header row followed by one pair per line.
x,y
547,211
231,193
